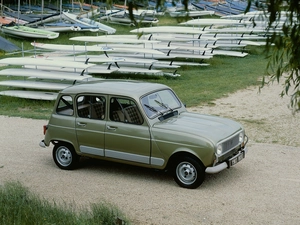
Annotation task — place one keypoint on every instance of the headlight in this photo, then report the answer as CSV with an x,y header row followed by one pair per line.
x,y
241,137
219,149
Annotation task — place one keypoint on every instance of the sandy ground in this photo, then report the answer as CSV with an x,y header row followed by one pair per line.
x,y
264,188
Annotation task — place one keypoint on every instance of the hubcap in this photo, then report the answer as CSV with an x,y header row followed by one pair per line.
x,y
186,173
64,156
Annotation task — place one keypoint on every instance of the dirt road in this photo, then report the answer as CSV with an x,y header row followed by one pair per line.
x,y
264,188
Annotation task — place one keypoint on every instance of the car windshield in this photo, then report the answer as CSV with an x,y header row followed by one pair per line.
x,y
160,102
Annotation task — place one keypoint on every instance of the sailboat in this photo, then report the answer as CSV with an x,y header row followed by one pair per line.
x,y
4,19
28,32
123,16
18,30
88,23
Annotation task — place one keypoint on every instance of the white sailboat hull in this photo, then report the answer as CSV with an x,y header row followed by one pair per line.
x,y
29,32
101,26
34,85
37,95
44,62
45,74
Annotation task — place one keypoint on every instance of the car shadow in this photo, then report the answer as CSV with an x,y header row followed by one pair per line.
x,y
121,170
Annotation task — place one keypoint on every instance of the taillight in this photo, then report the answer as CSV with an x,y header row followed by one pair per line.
x,y
45,127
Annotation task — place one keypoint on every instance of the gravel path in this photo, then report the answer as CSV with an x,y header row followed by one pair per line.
x,y
262,189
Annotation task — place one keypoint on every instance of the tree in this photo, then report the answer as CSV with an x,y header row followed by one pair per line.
x,y
283,45
283,48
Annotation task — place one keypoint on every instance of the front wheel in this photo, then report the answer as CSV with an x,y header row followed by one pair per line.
x,y
65,156
188,172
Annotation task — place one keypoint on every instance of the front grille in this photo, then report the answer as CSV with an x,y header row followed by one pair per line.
x,y
230,143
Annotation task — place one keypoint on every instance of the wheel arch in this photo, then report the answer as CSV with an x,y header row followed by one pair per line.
x,y
181,154
57,141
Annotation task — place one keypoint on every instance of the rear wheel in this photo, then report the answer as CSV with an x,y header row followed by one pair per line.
x,y
188,172
65,156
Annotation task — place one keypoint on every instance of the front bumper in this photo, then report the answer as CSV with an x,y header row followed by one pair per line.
x,y
222,166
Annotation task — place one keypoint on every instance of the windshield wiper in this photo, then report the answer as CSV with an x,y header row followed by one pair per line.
x,y
169,113
163,105
153,109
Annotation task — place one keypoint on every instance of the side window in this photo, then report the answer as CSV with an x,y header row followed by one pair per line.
x,y
65,106
90,106
125,110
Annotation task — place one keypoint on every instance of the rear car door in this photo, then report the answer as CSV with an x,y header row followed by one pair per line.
x,y
90,123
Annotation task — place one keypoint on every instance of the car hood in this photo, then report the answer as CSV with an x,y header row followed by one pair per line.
x,y
210,127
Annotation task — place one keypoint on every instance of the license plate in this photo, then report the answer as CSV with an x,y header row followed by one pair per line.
x,y
235,159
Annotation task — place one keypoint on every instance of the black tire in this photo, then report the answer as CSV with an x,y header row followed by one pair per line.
x,y
188,172
65,156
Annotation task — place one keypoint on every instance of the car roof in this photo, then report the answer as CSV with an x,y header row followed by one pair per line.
x,y
114,87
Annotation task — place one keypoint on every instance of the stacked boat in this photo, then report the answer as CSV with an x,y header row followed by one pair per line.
x,y
154,51
176,45
28,32
119,14
223,8
41,84
47,23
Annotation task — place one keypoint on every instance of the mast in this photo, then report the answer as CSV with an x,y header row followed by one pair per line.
x,y
18,12
60,10
1,7
42,17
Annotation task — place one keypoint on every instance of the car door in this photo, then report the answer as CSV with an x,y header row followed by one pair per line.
x,y
127,135
90,123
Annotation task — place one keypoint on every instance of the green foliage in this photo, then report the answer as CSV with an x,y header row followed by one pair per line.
x,y
283,47
19,206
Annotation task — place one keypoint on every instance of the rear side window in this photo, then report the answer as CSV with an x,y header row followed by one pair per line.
x,y
92,107
65,106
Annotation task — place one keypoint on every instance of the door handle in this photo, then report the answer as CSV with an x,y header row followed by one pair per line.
x,y
111,128
81,124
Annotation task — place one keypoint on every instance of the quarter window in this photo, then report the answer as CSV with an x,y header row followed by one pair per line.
x,y
65,106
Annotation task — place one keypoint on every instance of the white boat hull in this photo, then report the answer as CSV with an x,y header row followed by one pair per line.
x,y
43,62
42,74
101,26
37,95
34,85
29,32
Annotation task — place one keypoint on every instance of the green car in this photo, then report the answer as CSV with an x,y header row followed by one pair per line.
x,y
142,124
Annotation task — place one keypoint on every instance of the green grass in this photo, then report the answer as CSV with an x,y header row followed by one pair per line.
x,y
19,206
196,86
